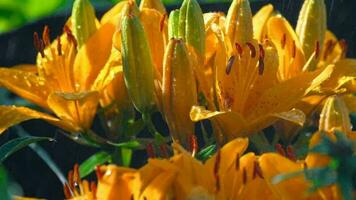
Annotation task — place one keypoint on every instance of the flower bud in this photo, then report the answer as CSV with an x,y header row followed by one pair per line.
x,y
137,61
239,22
191,25
179,91
311,25
173,24
335,116
83,21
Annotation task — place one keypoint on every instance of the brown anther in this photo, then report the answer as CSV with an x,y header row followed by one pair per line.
x,y
59,46
283,40
294,49
67,191
163,150
229,65
290,153
38,43
45,36
344,47
193,144
244,176
76,175
280,149
93,187
305,166
216,170
162,22
257,171
317,50
328,49
262,51
132,197
237,162
98,172
261,66
70,36
252,49
239,48
70,179
150,150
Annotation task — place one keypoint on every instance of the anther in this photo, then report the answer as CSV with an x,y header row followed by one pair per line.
x,y
237,162
283,40
163,150
161,23
317,49
70,36
67,193
344,47
76,175
98,172
290,153
294,49
229,65
280,149
238,48
193,144
257,171
150,150
261,66
328,48
244,176
38,43
252,49
59,46
70,179
93,187
262,51
45,36
305,166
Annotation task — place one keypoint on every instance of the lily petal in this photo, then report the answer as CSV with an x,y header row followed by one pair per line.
x,y
259,21
25,84
11,115
76,108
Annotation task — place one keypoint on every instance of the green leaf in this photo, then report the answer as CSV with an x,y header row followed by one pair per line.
x,y
206,153
89,165
4,193
16,144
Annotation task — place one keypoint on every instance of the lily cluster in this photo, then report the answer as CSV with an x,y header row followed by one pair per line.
x,y
242,72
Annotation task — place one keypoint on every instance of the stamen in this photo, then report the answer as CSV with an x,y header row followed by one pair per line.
x,y
239,48
262,51
328,49
305,166
161,23
257,171
283,40
280,149
229,65
76,176
93,187
67,193
290,153
132,197
45,36
70,36
317,50
244,176
237,162
38,43
70,179
150,150
252,49
294,51
98,172
193,144
163,150
261,66
344,47
216,170
59,46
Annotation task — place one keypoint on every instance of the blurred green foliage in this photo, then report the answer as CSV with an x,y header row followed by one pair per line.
x,y
15,13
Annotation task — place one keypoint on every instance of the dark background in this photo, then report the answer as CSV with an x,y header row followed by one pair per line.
x,y
16,47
